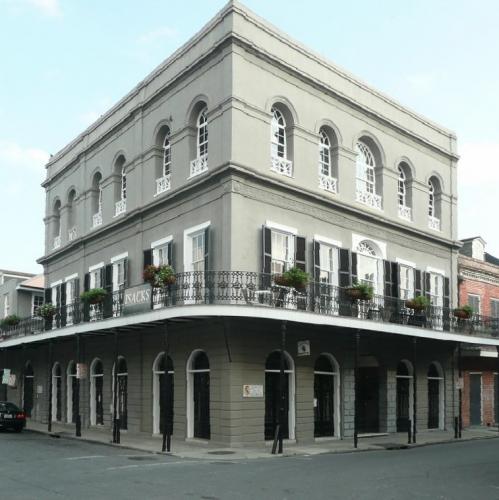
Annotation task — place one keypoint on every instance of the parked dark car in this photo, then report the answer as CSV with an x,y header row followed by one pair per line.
x,y
11,417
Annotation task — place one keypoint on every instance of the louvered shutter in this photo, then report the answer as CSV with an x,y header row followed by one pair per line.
x,y
344,280
126,272
427,284
317,272
76,300
266,256
353,268
418,285
48,300
107,284
170,254
207,263
85,305
63,315
147,257
391,276
446,310
86,282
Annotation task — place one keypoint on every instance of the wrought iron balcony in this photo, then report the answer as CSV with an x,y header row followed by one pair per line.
x,y
282,166
97,219
163,184
120,207
260,291
199,165
372,200
405,212
433,223
328,183
57,242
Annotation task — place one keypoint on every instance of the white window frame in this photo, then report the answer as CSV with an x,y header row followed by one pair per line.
x,y
190,371
495,301
92,271
188,235
6,305
479,297
406,277
158,250
278,140
34,307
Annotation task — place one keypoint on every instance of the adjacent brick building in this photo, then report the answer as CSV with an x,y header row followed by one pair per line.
x,y
479,287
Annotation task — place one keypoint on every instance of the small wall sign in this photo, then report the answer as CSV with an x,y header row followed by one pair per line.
x,y
39,389
137,299
252,391
6,376
460,383
81,371
304,348
12,381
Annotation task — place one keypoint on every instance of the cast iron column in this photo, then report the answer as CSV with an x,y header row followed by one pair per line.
x,y
356,391
414,390
460,375
496,393
116,420
281,386
49,423
167,431
77,386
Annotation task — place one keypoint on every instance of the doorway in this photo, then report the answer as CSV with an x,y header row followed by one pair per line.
x,y
368,405
475,398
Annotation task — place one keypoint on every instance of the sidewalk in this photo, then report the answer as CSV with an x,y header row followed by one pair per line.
x,y
203,450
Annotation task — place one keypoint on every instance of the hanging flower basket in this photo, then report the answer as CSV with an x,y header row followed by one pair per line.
x,y
9,321
419,303
293,277
359,291
94,296
159,276
46,311
463,312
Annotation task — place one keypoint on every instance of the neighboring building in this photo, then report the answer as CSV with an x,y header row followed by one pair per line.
x,y
479,288
243,155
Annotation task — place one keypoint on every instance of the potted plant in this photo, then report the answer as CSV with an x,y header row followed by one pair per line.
x,y
360,291
418,303
293,277
159,276
149,274
463,312
46,311
94,296
281,280
9,321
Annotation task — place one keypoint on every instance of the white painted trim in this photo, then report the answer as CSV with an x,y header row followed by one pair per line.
x,y
435,271
208,310
188,234
358,238
281,227
72,277
190,392
119,257
488,354
55,283
195,229
162,241
95,267
407,263
327,241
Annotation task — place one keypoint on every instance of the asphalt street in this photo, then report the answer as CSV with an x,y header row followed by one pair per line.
x,y
36,466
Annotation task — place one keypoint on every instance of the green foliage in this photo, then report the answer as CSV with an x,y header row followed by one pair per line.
x,y
464,312
418,303
11,320
159,276
360,291
46,310
294,277
94,296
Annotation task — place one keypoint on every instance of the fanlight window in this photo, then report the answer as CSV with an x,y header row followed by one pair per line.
x,y
167,154
324,154
365,168
202,134
368,265
402,188
278,135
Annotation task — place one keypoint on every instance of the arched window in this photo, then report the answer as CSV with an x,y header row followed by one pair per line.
x,y
121,397
404,198
57,224
278,144
327,180
369,266
436,397
71,216
97,200
167,154
28,387
198,396
71,393
434,204
366,176
405,395
431,199
273,395
163,177
121,186
402,188
163,387
56,393
326,397
96,393
200,163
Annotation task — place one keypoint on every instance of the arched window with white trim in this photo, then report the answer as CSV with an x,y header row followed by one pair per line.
x,y
121,186
71,393
97,200
434,196
326,397
370,265
198,396
96,392
200,162
327,177
57,225
279,148
436,397
273,395
163,171
163,387
365,165
405,395
56,393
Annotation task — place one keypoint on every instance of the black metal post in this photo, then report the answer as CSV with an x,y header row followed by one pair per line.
x,y
454,392
167,431
49,423
281,386
116,420
414,390
77,387
356,392
460,375
496,393
409,434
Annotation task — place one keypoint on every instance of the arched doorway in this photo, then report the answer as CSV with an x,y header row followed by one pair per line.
x,y
326,396
405,395
56,393
122,393
198,395
435,397
96,393
162,394
273,395
28,386
71,393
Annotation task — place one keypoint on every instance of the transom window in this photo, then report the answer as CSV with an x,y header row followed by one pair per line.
x,y
198,252
283,252
402,188
406,286
365,166
324,154
167,159
202,134
278,134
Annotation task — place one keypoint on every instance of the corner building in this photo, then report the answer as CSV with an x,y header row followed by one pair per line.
x,y
241,156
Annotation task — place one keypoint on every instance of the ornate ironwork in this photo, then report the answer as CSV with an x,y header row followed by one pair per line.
x,y
282,166
370,199
57,242
405,212
97,219
433,223
199,165
120,207
328,183
163,184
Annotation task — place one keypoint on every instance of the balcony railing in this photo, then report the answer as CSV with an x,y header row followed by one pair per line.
x,y
372,200
163,184
282,166
405,212
120,207
57,242
72,234
328,183
259,290
199,165
97,219
433,223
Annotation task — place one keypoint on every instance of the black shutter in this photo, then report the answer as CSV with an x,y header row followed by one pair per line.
x,y
207,262
353,268
344,271
126,272
147,257
317,261
387,268
170,254
427,284
76,300
48,299
266,255
62,292
446,311
418,285
85,305
86,282
300,245
395,279
107,284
